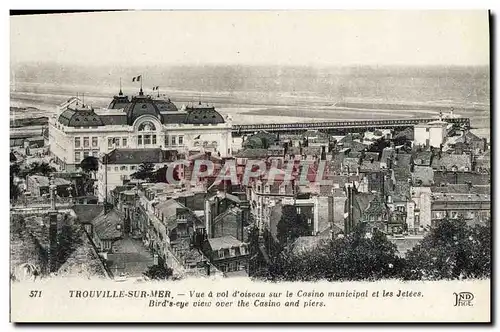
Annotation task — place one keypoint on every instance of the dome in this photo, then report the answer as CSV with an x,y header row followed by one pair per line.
x,y
203,114
141,105
165,105
119,102
80,117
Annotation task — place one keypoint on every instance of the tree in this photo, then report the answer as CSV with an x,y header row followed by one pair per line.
x,y
358,256
145,172
159,272
37,168
14,189
69,238
452,250
291,225
90,164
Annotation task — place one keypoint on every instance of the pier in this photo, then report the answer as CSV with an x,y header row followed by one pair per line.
x,y
340,126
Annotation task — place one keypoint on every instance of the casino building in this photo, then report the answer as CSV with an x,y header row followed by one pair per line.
x,y
138,123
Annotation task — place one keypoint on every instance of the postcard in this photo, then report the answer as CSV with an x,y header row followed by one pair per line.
x,y
250,166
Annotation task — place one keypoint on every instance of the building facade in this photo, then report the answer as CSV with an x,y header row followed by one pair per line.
x,y
78,131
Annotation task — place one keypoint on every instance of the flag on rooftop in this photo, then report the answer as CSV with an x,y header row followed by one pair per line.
x,y
136,78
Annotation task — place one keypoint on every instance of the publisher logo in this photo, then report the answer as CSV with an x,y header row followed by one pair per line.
x,y
463,299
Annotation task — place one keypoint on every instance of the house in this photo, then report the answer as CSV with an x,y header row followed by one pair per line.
x,y
432,133
106,229
423,176
453,162
422,158
482,163
38,185
116,168
179,221
227,254
474,208
226,214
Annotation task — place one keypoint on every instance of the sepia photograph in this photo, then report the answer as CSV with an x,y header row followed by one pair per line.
x,y
250,166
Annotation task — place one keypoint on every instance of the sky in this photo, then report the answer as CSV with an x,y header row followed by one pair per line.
x,y
253,38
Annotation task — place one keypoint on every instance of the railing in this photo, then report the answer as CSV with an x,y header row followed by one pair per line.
x,y
340,124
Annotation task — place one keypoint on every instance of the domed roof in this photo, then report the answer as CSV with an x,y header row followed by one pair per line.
x,y
203,114
119,102
141,105
165,105
80,117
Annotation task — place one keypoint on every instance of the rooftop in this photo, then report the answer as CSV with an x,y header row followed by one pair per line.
x,y
224,242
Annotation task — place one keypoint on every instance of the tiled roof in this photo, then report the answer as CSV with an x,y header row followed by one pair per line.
x,y
402,160
441,177
252,153
311,151
371,155
453,197
422,158
114,119
449,161
367,165
424,174
352,163
84,262
105,225
86,213
135,156
462,189
44,181
407,133
470,137
402,173
225,242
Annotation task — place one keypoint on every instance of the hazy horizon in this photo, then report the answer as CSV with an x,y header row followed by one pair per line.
x,y
254,38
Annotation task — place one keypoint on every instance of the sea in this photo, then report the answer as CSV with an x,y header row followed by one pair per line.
x,y
267,94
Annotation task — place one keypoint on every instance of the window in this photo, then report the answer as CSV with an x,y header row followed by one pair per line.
x,y
95,142
86,142
426,130
85,154
77,157
154,139
124,142
110,143
117,141
77,142
173,140
147,139
221,253
95,154
139,139
282,189
166,141
132,168
181,140
116,168
123,168
109,168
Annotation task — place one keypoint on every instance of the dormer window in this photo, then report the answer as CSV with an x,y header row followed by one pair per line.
x,y
267,189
